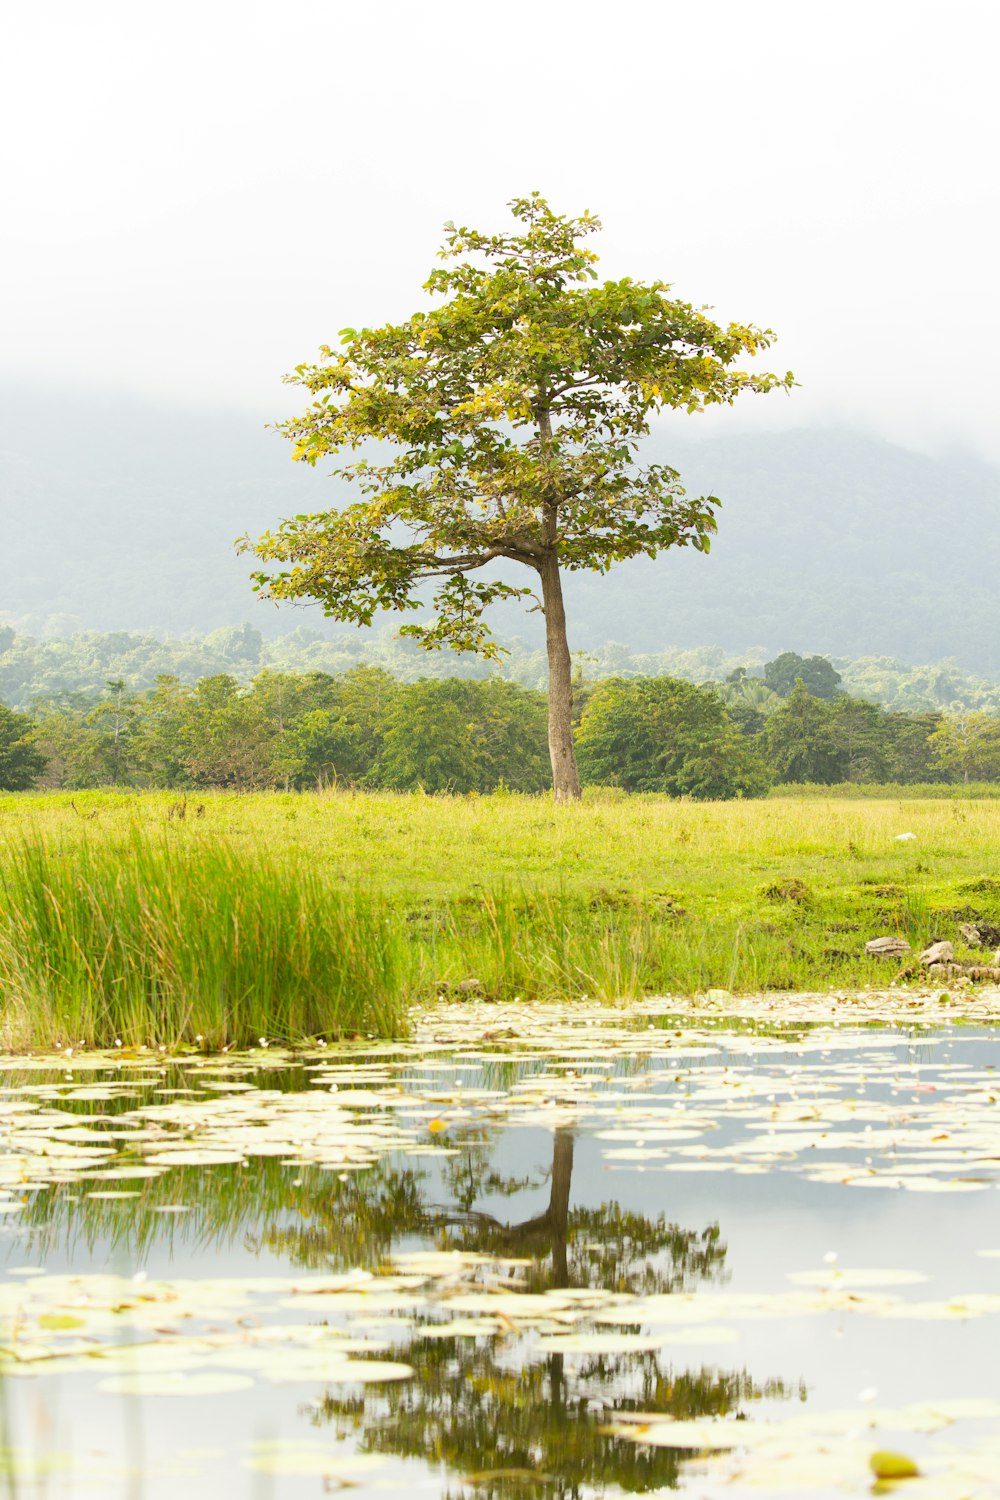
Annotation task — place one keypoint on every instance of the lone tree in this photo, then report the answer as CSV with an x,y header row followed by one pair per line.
x,y
513,410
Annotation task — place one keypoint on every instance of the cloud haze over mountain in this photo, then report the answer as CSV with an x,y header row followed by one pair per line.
x,y
829,539
196,196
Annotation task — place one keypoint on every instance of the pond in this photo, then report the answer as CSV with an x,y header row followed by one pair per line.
x,y
550,1254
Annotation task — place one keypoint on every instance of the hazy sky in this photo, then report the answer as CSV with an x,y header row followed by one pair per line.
x,y
196,195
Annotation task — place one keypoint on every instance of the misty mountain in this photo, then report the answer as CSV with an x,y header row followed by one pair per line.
x,y
116,515
123,515
829,541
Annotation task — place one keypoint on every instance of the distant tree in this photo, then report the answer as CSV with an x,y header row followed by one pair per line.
x,y
340,735
6,638
461,736
515,409
968,745
21,761
161,746
911,753
858,731
800,742
658,734
748,701
820,677
429,743
236,643
748,720
283,697
114,723
72,752
226,737
210,735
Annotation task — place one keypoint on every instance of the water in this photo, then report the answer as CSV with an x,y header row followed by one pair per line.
x,y
512,1267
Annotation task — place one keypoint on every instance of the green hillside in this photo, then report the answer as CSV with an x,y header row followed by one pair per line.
x,y
121,516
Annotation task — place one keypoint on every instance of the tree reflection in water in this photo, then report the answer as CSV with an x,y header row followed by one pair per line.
x,y
501,1427
503,1420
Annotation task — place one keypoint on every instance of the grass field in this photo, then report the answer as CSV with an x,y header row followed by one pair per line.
x,y
151,919
853,791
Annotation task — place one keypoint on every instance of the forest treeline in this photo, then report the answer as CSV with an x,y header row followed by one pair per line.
x,y
366,728
32,669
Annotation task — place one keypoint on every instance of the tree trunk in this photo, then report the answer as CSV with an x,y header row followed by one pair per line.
x,y
562,1176
565,776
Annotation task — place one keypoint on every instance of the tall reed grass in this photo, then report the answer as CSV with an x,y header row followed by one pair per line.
x,y
545,946
147,941
289,915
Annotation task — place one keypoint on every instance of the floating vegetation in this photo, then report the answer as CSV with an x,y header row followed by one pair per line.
x,y
799,1103
514,1250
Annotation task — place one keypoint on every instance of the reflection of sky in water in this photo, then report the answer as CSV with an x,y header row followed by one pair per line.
x,y
770,1223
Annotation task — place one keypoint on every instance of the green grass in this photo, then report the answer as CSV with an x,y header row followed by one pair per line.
x,y
141,939
285,915
855,791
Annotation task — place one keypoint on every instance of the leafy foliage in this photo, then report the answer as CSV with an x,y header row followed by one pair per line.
x,y
300,730
83,663
800,740
364,728
515,409
661,735
509,420
816,673
969,745
465,737
20,761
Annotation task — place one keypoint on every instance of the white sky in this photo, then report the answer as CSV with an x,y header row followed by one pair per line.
x,y
195,195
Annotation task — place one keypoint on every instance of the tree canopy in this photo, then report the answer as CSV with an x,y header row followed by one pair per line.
x,y
656,734
818,674
508,419
32,669
364,728
20,761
